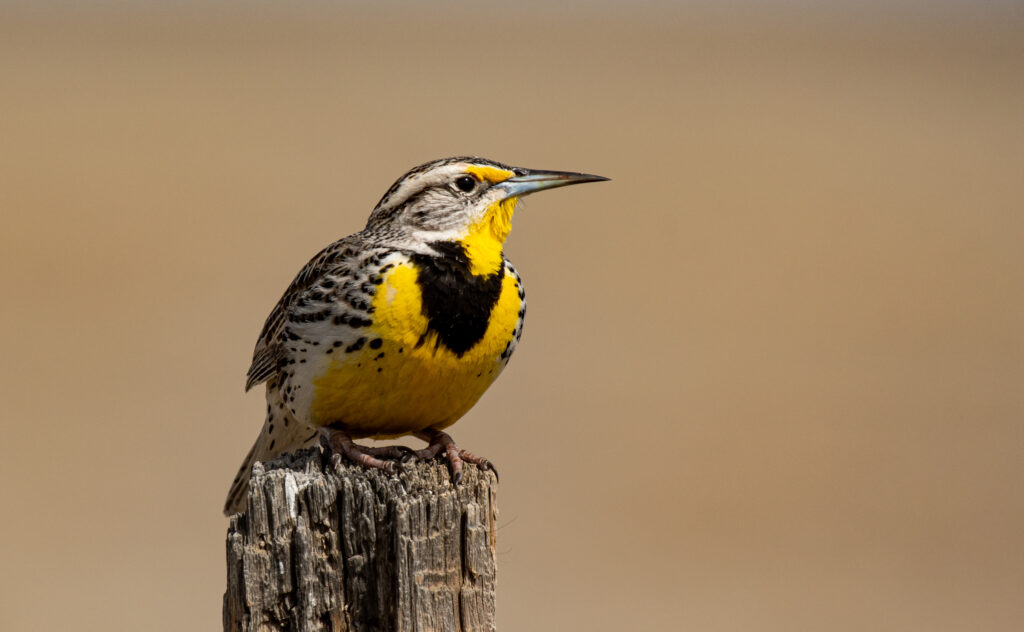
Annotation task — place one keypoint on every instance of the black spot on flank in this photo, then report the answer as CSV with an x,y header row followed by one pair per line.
x,y
376,343
330,351
379,369
379,356
457,303
337,343
340,319
270,429
357,303
272,442
286,422
355,346
291,334
401,349
302,361
327,284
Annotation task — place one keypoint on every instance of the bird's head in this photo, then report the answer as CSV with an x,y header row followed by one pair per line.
x,y
465,200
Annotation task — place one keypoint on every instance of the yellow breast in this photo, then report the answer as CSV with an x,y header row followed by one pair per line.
x,y
403,378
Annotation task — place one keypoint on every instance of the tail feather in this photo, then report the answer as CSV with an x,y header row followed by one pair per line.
x,y
281,433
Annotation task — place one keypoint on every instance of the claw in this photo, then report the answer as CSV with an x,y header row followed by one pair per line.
x,y
440,441
487,465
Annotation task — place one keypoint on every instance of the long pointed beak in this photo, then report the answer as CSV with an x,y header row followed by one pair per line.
x,y
529,181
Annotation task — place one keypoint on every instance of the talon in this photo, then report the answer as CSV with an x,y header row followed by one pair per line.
x,y
487,465
440,441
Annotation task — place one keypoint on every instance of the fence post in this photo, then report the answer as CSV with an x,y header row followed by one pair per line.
x,y
347,548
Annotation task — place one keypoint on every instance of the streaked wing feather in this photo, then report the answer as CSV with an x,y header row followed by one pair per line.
x,y
269,351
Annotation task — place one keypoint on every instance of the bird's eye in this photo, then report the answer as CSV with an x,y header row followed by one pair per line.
x,y
465,183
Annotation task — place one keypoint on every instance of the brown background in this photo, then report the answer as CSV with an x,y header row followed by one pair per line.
x,y
772,373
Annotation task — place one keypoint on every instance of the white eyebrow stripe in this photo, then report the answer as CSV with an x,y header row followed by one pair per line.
x,y
420,181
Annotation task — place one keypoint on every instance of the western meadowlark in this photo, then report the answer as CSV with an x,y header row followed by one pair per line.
x,y
401,327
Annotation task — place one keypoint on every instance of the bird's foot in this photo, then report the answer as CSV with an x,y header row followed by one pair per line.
x,y
440,441
381,457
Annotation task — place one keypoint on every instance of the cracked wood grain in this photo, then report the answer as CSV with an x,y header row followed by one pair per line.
x,y
346,549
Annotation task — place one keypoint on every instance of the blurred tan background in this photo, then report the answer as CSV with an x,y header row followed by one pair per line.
x,y
772,374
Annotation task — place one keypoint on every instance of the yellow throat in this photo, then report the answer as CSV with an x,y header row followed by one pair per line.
x,y
486,238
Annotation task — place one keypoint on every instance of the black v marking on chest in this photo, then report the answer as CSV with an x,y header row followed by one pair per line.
x,y
457,303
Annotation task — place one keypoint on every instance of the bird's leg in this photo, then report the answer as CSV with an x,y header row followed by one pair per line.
x,y
439,441
340,443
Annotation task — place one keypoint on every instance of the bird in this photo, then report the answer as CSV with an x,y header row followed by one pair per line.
x,y
399,328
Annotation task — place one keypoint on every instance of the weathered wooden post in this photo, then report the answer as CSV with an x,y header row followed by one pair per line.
x,y
346,548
